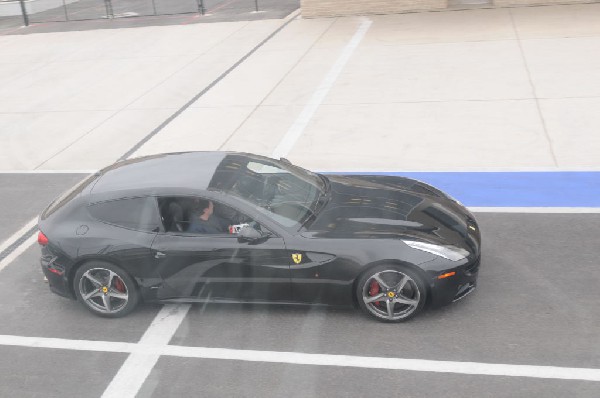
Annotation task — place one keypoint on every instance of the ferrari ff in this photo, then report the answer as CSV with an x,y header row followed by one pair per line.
x,y
127,234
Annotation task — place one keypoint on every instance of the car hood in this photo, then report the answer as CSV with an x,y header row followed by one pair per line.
x,y
390,207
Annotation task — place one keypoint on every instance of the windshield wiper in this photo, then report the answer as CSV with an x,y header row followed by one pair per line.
x,y
321,201
325,194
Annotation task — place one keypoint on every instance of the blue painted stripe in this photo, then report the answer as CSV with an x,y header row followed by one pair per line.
x,y
514,189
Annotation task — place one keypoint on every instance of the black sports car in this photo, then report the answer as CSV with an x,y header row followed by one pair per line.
x,y
236,227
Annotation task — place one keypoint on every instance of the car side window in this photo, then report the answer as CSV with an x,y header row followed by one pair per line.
x,y
140,214
201,216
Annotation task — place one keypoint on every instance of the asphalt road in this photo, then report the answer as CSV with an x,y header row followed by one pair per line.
x,y
242,379
25,195
536,304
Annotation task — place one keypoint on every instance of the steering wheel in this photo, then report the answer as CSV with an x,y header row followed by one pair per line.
x,y
291,204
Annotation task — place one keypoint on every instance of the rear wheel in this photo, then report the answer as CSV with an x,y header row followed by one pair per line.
x,y
105,289
391,293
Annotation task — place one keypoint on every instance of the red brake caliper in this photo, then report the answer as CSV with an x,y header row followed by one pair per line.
x,y
374,290
119,285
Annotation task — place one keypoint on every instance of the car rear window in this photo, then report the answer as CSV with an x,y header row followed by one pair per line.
x,y
140,214
66,197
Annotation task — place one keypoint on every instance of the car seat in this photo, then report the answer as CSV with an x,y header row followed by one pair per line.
x,y
174,217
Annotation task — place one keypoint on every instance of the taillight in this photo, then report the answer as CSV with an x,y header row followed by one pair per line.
x,y
42,239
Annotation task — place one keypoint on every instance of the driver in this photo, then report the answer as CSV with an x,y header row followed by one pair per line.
x,y
203,221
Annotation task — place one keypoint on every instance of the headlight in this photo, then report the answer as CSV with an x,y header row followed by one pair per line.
x,y
449,252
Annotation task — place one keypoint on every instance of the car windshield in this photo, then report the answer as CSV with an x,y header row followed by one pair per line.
x,y
286,193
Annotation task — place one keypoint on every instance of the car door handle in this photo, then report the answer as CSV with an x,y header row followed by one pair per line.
x,y
159,255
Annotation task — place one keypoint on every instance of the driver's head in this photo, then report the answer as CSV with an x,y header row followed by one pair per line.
x,y
206,207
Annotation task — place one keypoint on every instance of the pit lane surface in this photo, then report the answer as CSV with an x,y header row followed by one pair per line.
x,y
30,192
535,305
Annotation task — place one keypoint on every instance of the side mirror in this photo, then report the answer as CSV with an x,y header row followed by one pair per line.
x,y
249,234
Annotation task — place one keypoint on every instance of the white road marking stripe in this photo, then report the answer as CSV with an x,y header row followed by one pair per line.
x,y
139,364
289,139
147,353
18,251
14,237
66,344
536,210
420,365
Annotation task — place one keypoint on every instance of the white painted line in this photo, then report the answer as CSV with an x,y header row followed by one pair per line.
x,y
293,134
65,344
419,365
536,210
47,171
18,251
147,353
138,365
14,237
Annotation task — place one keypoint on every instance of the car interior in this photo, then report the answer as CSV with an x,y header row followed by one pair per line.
x,y
175,213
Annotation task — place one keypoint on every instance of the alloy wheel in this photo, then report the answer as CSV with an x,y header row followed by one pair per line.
x,y
391,295
103,290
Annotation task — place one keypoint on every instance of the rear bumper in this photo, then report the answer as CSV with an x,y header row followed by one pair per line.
x,y
57,281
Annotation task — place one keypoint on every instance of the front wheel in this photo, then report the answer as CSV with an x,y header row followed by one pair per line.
x,y
391,293
105,289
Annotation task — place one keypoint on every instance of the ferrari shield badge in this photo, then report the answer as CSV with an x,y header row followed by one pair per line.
x,y
297,257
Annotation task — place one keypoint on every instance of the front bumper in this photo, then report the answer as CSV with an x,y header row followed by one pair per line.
x,y
461,284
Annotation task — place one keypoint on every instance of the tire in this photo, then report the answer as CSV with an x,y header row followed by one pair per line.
x,y
105,289
401,290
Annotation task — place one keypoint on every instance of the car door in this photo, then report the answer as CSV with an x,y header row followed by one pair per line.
x,y
125,232
319,274
221,266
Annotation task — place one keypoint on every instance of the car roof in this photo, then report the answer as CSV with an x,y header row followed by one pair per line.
x,y
190,170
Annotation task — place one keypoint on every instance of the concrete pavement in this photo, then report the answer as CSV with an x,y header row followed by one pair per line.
x,y
500,89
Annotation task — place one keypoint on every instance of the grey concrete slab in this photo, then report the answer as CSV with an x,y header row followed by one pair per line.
x,y
211,378
97,71
562,117
46,135
486,70
222,120
24,196
426,91
429,91
106,143
575,20
88,84
28,308
35,372
446,27
564,67
536,304
455,135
